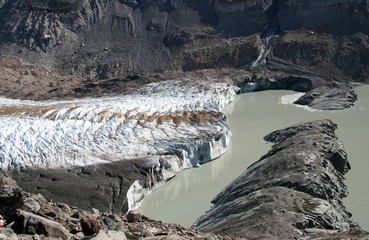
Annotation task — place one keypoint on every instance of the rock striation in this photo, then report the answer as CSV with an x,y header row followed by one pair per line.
x,y
294,191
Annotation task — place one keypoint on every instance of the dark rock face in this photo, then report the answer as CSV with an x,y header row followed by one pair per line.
x,y
103,187
295,190
262,81
101,39
320,93
134,216
223,54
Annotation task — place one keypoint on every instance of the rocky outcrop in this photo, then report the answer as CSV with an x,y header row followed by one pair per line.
x,y
294,191
10,197
326,98
103,187
225,53
265,80
90,226
112,235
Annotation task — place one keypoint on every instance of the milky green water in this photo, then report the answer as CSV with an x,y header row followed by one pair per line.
x,y
252,116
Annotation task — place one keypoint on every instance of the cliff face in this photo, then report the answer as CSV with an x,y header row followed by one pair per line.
x,y
109,38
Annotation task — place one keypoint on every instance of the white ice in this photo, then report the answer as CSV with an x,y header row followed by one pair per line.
x,y
97,130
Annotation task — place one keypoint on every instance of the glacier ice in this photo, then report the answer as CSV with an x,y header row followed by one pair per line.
x,y
158,118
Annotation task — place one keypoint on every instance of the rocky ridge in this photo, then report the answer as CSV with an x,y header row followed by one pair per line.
x,y
294,191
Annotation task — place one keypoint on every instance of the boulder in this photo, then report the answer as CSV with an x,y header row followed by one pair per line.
x,y
30,205
91,226
30,223
134,216
111,235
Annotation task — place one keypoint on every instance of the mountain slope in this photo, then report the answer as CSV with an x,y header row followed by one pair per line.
x,y
102,39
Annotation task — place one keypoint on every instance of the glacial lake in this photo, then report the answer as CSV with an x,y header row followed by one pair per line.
x,y
252,116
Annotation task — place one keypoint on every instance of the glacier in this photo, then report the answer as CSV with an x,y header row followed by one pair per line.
x,y
180,117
